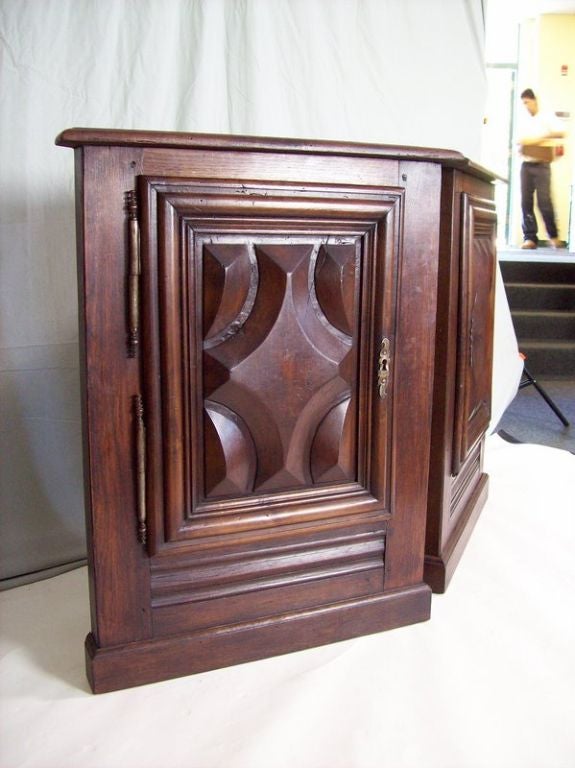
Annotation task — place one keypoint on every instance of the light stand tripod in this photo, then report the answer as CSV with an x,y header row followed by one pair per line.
x,y
528,380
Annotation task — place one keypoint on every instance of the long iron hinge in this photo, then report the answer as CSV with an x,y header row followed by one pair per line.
x,y
134,272
141,469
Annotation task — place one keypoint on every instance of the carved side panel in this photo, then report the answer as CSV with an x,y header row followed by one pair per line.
x,y
476,315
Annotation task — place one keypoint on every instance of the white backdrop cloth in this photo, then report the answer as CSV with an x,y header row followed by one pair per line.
x,y
487,683
387,71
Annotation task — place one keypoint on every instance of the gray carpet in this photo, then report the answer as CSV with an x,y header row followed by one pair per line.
x,y
529,419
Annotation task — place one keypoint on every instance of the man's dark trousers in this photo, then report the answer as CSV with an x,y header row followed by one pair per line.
x,y
536,178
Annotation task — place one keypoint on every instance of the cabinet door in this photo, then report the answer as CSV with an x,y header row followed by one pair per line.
x,y
269,316
475,326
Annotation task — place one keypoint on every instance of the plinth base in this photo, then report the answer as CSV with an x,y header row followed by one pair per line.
x,y
150,661
438,569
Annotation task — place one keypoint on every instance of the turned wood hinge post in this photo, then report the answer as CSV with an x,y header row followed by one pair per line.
x,y
134,272
141,469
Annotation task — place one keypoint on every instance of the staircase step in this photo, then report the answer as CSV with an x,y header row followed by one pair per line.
x,y
549,358
544,324
537,272
556,296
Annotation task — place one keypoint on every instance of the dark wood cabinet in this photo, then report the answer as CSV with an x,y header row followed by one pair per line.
x,y
258,338
463,371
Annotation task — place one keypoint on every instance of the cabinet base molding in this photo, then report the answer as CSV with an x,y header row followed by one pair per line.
x,y
438,569
138,663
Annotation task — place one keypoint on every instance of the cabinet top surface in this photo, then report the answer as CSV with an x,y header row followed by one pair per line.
x,y
80,137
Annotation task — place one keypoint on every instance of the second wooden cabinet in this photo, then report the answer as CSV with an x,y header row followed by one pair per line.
x,y
463,371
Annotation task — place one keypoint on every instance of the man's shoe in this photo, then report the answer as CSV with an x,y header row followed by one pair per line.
x,y
529,245
556,243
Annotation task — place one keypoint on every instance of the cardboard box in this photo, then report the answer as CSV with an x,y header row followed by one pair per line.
x,y
540,152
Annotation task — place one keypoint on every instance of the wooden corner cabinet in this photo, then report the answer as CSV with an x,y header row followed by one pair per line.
x,y
257,323
463,371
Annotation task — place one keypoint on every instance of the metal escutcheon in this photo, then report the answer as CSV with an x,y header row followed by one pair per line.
x,y
383,369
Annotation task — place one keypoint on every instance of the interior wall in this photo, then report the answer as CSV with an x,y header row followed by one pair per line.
x,y
397,72
557,49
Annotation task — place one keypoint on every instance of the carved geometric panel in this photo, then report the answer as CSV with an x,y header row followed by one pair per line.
x,y
279,365
265,308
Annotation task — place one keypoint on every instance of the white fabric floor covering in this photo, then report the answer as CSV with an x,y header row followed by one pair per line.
x,y
488,682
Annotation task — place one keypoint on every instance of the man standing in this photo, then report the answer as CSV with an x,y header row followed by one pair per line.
x,y
536,170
